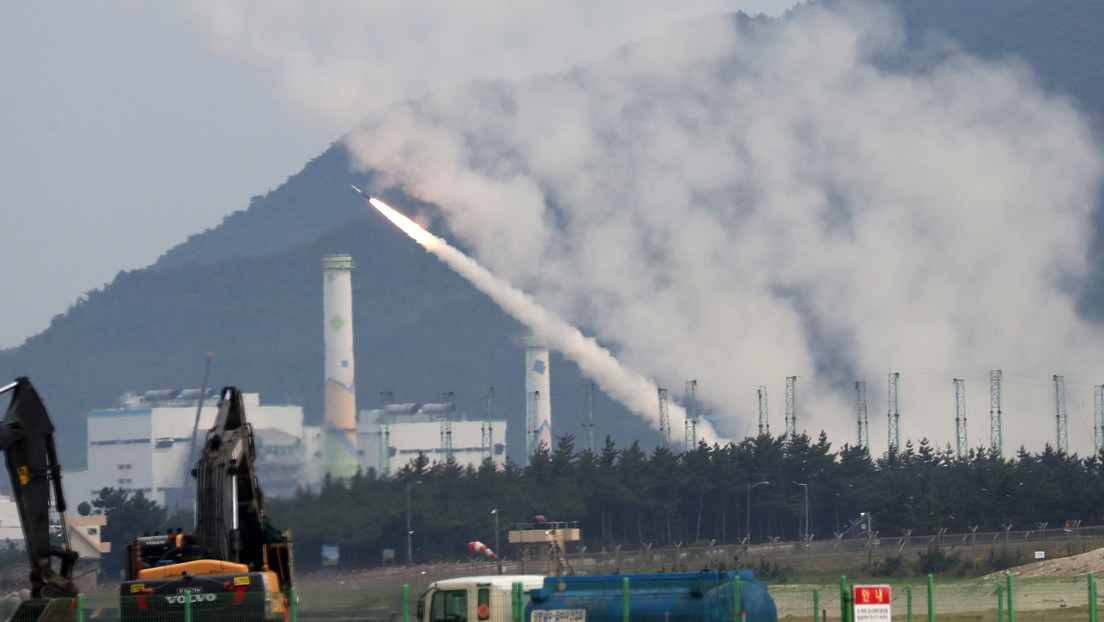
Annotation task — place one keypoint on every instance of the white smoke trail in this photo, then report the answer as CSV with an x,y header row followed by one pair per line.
x,y
637,393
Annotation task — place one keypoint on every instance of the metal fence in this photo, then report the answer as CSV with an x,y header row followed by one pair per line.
x,y
1001,599
825,555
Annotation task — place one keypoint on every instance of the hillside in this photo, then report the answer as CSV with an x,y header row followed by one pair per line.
x,y
250,290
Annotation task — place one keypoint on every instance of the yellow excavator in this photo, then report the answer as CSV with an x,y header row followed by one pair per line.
x,y
235,566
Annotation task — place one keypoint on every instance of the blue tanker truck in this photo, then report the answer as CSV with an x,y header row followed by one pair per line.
x,y
706,596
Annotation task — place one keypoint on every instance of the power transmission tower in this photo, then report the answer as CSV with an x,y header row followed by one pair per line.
x,y
860,407
1098,418
764,424
995,442
589,423
1060,413
894,414
960,418
691,441
791,408
487,442
664,419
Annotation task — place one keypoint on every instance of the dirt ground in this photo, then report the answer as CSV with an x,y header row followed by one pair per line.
x,y
1074,565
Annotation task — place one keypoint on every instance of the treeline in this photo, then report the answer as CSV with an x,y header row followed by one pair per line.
x,y
626,496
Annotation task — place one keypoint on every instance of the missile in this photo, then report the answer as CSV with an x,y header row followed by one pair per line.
x,y
362,193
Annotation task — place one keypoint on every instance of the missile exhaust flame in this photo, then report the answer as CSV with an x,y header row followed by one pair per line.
x,y
634,391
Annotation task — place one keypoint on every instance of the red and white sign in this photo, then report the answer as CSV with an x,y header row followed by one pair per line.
x,y
871,603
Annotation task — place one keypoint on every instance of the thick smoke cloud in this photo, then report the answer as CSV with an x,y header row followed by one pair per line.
x,y
733,208
738,208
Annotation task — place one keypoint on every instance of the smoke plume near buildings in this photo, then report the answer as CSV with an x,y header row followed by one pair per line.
x,y
595,361
791,198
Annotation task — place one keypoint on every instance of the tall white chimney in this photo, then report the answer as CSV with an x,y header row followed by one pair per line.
x,y
538,397
340,419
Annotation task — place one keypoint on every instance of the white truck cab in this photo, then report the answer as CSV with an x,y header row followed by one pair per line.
x,y
474,599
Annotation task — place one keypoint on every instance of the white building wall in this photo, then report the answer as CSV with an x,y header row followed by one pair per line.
x,y
10,528
406,440
147,449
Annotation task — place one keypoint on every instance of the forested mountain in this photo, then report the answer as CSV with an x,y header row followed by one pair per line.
x,y
250,289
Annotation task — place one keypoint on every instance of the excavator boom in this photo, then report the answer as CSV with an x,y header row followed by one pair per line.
x,y
27,440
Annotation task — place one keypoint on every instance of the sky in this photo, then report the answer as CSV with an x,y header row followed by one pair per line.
x,y
130,125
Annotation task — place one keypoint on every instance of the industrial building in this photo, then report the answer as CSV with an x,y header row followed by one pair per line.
x,y
148,445
145,445
390,438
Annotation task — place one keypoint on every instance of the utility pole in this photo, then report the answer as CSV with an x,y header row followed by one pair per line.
x,y
747,525
409,532
805,534
195,429
498,553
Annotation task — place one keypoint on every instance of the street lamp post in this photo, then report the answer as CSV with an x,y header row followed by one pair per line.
x,y
498,553
409,534
806,487
409,531
748,507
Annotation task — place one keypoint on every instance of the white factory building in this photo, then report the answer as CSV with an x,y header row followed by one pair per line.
x,y
389,439
144,445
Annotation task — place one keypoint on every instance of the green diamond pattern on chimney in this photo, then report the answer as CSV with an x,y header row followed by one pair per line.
x,y
337,323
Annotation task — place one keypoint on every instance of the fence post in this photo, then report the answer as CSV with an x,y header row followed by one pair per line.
x,y
1011,607
816,603
1092,598
406,602
736,604
187,607
625,599
931,598
908,590
845,598
518,601
79,602
293,605
1000,602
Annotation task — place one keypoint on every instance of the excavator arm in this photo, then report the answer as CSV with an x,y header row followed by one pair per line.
x,y
231,524
27,440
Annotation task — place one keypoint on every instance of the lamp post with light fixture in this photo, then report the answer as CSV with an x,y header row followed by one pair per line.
x,y
748,508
